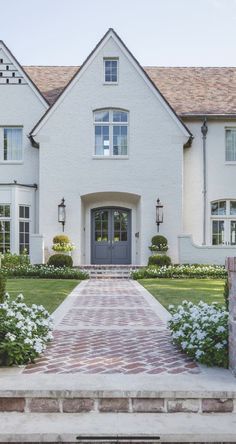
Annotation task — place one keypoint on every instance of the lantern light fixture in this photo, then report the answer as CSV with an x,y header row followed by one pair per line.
x,y
159,213
62,213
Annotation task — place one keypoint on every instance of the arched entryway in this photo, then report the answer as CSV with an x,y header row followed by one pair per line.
x,y
111,235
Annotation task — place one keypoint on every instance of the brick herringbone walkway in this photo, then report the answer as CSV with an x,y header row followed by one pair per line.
x,y
110,326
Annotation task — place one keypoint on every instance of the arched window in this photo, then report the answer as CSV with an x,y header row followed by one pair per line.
x,y
111,132
223,221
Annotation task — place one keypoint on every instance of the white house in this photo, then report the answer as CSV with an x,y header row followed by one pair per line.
x,y
111,137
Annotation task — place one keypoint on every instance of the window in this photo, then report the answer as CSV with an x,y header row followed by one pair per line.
x,y
111,70
5,228
111,133
230,149
24,228
12,144
223,215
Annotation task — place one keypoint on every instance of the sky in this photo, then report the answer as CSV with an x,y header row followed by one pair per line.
x,y
158,32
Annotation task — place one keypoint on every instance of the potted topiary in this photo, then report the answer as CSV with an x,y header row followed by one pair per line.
x,y
159,248
159,244
62,244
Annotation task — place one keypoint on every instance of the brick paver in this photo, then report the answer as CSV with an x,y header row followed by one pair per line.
x,y
111,327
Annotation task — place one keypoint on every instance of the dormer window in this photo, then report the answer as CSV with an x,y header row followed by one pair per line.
x,y
111,70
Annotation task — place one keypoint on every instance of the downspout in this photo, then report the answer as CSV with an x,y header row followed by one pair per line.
x,y
204,130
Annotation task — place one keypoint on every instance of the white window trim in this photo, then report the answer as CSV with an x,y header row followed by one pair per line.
x,y
115,59
8,219
24,219
227,218
229,162
10,162
110,123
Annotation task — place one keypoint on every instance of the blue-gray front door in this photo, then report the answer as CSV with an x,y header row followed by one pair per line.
x,y
111,236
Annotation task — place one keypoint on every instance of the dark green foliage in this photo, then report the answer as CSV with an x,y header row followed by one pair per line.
x,y
60,260
2,288
159,240
159,243
159,260
226,293
44,272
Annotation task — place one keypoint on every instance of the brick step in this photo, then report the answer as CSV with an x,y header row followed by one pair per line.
x,y
110,271
117,428
69,402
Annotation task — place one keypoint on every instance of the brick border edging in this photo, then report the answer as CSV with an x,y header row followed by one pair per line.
x,y
118,405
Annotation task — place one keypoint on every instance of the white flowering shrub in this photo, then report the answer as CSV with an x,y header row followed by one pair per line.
x,y
44,272
24,331
201,331
181,272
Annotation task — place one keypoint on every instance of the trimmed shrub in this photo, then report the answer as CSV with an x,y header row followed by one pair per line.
x,y
182,272
60,260
44,272
159,243
2,288
61,239
61,243
159,260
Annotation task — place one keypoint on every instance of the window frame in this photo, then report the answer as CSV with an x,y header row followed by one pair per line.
x,y
12,161
24,220
110,59
7,219
229,128
111,124
227,218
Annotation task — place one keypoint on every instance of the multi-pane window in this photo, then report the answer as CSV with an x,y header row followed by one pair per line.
x,y
12,144
111,133
5,228
24,228
223,219
111,70
230,141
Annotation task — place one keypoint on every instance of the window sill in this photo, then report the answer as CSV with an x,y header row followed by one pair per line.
x,y
230,163
11,162
110,83
110,157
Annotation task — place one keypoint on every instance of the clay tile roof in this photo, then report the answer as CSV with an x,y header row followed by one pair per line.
x,y
188,90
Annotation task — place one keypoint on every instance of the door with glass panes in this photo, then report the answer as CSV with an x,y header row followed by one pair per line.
x,y
111,236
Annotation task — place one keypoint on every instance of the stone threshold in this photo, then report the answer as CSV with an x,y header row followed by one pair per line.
x,y
112,427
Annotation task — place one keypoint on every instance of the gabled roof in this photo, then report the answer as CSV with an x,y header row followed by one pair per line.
x,y
142,72
190,90
21,74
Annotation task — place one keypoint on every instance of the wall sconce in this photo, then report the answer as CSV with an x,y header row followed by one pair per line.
x,y
159,214
62,213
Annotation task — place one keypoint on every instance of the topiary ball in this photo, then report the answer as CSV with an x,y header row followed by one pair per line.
x,y
60,260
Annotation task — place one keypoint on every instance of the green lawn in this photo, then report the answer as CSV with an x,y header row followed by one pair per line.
x,y
174,291
47,292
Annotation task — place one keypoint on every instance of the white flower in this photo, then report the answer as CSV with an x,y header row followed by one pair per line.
x,y
199,353
10,336
219,346
220,329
